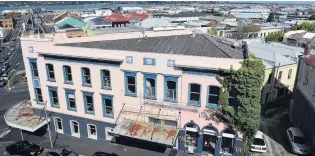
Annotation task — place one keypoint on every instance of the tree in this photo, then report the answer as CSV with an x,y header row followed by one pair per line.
x,y
312,17
213,31
275,37
247,83
271,17
310,27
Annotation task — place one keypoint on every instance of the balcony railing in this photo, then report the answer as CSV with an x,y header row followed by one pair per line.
x,y
171,105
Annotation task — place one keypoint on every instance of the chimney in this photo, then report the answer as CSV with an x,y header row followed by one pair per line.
x,y
307,49
245,50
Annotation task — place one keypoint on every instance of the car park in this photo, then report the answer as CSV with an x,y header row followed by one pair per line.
x,y
259,144
24,148
299,142
61,152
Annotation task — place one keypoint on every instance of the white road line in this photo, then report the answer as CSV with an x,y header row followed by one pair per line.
x,y
5,133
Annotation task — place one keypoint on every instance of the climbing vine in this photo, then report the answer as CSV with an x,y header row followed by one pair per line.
x,y
247,83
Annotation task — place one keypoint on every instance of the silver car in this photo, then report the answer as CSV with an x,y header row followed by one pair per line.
x,y
298,141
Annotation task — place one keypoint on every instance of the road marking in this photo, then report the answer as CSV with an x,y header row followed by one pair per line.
x,y
5,133
125,149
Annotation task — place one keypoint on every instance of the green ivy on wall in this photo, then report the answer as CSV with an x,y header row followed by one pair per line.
x,y
247,81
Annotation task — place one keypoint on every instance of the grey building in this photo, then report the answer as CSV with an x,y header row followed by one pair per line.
x,y
302,108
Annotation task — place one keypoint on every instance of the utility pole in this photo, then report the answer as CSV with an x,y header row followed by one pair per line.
x,y
48,127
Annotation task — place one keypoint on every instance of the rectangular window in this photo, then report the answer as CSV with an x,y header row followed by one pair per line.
x,y
34,69
279,76
269,78
194,94
290,73
130,84
67,74
58,125
149,61
306,76
75,131
170,123
39,95
106,84
86,77
108,110
155,120
170,88
92,133
70,97
149,86
213,97
233,98
53,96
50,72
88,101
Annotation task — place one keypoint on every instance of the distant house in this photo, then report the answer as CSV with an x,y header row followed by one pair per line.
x,y
280,62
300,39
4,34
117,20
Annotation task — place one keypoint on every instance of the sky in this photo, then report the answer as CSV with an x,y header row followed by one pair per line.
x,y
279,2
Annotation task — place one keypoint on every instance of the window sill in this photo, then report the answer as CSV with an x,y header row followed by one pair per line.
x,y
55,106
106,88
68,82
40,103
170,100
51,80
91,113
212,106
151,98
131,95
72,109
87,85
109,116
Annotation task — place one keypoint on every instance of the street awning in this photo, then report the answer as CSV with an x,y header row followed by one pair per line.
x,y
21,116
147,131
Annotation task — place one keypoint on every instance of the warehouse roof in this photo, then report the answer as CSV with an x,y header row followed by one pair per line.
x,y
197,45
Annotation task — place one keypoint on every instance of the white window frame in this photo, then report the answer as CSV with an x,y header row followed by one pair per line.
x,y
72,129
89,134
56,126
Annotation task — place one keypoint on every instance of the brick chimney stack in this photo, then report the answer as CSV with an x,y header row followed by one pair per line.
x,y
307,49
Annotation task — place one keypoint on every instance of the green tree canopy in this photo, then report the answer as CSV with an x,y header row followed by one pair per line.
x,y
275,37
247,83
310,27
213,31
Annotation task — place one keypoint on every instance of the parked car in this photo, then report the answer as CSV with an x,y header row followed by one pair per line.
x,y
2,82
298,141
5,66
24,148
104,154
4,77
259,144
61,152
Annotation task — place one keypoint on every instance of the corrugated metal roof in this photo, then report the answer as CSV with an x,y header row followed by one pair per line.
x,y
71,21
279,55
147,131
199,45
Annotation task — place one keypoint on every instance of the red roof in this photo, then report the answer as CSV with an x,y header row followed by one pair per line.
x,y
214,24
117,18
310,60
138,16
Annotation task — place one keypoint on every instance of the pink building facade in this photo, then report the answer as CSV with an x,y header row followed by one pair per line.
x,y
92,84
